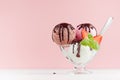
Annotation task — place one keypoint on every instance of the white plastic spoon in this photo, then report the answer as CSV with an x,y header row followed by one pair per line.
x,y
107,24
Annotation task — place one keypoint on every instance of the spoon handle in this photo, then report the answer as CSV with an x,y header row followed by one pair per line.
x,y
107,24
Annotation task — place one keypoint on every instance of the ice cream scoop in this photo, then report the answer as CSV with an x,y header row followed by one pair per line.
x,y
78,54
88,27
63,34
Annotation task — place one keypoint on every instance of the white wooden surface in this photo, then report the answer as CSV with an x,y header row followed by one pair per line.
x,y
61,74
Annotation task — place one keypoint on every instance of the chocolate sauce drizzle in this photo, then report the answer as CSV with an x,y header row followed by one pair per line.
x,y
73,48
86,26
61,28
68,34
78,48
60,33
91,49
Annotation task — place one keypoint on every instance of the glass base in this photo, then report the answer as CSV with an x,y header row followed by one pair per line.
x,y
81,70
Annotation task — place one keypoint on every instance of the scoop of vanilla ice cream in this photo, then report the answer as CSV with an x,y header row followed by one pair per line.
x,y
85,53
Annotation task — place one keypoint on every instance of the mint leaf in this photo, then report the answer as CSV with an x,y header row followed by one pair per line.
x,y
93,44
90,36
90,42
84,42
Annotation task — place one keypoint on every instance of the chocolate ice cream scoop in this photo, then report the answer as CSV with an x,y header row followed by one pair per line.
x,y
88,27
63,34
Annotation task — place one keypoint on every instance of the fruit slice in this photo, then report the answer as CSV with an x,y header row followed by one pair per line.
x,y
89,41
84,34
98,38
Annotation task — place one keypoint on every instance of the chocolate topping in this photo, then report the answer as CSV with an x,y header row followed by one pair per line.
x,y
72,28
60,33
78,48
60,29
73,48
91,49
86,26
68,33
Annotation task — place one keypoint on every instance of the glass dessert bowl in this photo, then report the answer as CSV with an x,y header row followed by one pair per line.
x,y
82,51
79,55
79,45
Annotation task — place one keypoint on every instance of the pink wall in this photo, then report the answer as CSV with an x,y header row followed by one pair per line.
x,y
26,26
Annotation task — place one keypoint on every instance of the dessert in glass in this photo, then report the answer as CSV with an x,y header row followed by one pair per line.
x,y
78,45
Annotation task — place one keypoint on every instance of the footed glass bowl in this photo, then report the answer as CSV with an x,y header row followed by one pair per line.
x,y
79,55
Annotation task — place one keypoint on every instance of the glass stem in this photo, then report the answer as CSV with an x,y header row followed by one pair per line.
x,y
79,69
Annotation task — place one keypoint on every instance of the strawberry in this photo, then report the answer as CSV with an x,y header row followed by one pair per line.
x,y
98,38
84,34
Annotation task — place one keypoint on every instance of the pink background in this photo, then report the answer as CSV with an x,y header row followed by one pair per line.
x,y
26,26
